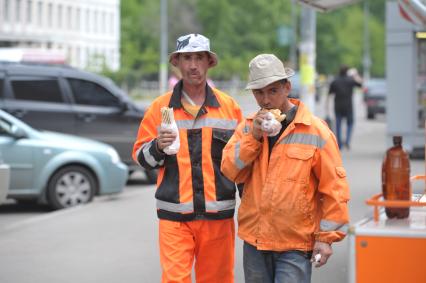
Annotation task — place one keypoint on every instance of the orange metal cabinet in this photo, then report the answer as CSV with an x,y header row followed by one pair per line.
x,y
389,250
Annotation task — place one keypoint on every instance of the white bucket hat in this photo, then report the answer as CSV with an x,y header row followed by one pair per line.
x,y
192,43
265,69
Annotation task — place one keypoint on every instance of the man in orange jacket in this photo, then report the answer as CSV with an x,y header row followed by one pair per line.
x,y
294,202
195,201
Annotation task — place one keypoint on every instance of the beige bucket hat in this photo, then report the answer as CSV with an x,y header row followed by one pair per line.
x,y
265,69
192,43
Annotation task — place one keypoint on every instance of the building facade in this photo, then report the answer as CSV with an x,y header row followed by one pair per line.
x,y
86,31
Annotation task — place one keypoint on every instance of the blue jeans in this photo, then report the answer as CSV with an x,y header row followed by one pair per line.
x,y
276,267
349,125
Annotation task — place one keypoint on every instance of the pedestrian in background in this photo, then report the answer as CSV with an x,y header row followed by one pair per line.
x,y
342,88
195,201
294,201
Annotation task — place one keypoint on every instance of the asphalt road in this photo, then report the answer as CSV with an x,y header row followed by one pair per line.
x,y
114,239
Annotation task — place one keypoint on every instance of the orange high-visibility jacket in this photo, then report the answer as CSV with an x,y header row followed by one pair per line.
x,y
190,185
295,197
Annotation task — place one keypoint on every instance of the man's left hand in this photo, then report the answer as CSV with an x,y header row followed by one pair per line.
x,y
324,249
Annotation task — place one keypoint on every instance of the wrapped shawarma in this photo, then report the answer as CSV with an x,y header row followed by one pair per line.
x,y
272,122
168,123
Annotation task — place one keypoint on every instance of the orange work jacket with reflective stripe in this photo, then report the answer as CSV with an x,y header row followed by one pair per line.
x,y
296,196
190,185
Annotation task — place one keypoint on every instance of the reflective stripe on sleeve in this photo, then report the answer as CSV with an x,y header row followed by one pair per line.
x,y
238,162
308,139
148,156
327,225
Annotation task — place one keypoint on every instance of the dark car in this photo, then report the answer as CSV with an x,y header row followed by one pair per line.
x,y
375,97
68,100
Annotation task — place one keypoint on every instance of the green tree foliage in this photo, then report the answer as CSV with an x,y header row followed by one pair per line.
x,y
340,38
241,29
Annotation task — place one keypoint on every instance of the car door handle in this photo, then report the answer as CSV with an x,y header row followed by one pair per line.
x,y
86,117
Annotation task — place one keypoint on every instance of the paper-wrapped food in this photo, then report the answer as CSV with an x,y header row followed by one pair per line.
x,y
168,123
272,122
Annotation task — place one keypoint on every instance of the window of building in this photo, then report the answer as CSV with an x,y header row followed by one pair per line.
x,y
6,5
50,15
112,24
89,93
37,89
95,22
103,24
69,17
88,21
29,11
59,22
18,11
40,13
77,19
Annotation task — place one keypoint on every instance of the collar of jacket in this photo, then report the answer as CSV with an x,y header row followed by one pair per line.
x,y
303,115
176,102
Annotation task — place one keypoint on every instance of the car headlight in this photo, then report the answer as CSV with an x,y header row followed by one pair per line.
x,y
115,158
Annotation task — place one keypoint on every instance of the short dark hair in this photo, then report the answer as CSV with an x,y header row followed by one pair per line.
x,y
343,70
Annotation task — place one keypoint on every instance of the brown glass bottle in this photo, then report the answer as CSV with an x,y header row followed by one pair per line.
x,y
396,178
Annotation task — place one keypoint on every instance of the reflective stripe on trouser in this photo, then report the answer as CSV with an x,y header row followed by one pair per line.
x,y
210,242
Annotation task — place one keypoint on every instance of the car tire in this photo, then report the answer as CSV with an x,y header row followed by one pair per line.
x,y
151,176
371,115
71,186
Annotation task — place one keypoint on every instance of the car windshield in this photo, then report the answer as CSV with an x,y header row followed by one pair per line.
x,y
5,126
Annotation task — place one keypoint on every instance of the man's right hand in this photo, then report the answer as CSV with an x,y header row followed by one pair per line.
x,y
165,138
257,124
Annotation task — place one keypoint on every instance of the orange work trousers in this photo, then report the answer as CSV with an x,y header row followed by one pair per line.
x,y
210,242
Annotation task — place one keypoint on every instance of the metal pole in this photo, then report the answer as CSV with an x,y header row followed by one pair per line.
x,y
307,56
163,43
367,59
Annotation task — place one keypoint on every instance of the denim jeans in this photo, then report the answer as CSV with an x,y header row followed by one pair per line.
x,y
349,127
276,267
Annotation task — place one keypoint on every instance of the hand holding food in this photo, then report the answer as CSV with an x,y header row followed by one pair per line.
x,y
168,130
272,122
277,114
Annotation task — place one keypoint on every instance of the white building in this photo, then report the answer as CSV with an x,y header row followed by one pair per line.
x,y
87,31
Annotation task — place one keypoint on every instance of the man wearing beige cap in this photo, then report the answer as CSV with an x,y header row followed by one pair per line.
x,y
294,201
195,201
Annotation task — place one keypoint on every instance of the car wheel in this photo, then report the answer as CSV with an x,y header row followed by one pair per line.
x,y
151,176
71,186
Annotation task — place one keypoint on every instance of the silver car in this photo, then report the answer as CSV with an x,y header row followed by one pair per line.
x,y
57,169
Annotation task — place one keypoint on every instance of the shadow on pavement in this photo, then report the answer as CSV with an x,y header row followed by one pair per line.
x,y
137,182
14,207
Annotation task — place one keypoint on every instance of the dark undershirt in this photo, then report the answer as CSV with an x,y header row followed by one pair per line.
x,y
287,121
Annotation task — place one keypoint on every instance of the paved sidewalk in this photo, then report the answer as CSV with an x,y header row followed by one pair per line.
x,y
114,239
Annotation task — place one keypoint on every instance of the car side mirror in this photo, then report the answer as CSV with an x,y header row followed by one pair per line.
x,y
124,106
18,133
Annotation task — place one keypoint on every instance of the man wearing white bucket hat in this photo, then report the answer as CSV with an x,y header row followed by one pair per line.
x,y
294,201
195,201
